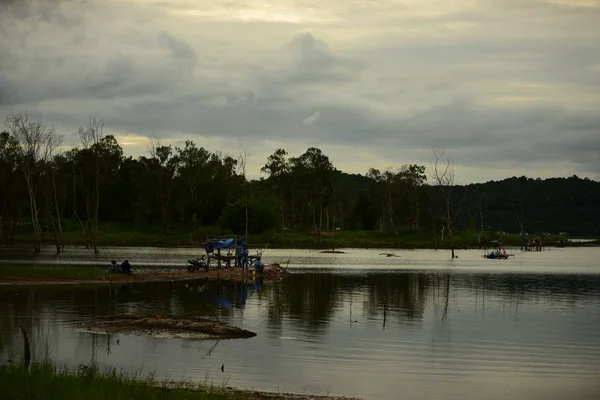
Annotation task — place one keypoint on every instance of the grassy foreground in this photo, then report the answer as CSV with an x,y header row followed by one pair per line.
x,y
44,381
112,234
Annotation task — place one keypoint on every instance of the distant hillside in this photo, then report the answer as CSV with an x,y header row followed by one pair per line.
x,y
554,205
569,205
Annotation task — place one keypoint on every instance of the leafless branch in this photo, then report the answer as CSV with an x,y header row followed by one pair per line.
x,y
153,146
93,133
242,160
36,142
443,177
35,145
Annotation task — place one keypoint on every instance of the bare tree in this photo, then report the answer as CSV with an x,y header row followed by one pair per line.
x,y
98,158
243,158
443,177
50,190
90,136
35,145
93,133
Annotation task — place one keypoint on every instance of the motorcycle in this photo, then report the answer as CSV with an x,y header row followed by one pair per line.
x,y
197,265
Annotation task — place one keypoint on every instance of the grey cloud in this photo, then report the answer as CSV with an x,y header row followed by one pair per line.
x,y
118,77
475,136
100,69
48,11
312,52
179,49
306,60
456,126
373,85
585,150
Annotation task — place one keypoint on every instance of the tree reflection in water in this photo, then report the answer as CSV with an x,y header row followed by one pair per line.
x,y
308,301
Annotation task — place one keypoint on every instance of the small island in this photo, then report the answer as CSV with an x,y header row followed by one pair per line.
x,y
168,326
24,274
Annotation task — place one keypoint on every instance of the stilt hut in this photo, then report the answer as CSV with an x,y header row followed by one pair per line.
x,y
224,251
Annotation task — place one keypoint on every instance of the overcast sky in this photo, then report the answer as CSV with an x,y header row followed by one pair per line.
x,y
505,87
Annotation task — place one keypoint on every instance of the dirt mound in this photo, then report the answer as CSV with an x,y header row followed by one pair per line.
x,y
164,326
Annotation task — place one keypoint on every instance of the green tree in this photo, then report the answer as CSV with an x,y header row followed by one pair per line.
x,y
98,159
262,215
160,168
314,175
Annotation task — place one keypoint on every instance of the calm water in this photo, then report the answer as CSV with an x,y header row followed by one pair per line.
x,y
417,326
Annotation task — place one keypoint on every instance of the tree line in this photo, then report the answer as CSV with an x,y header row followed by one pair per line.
x,y
47,191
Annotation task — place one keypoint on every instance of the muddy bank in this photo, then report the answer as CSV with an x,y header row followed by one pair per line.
x,y
257,394
168,326
270,274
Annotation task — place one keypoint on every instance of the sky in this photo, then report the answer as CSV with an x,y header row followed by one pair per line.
x,y
504,87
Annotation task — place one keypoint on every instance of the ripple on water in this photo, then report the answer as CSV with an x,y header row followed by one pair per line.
x,y
448,334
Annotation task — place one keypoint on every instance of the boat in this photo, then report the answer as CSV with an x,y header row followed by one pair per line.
x,y
497,254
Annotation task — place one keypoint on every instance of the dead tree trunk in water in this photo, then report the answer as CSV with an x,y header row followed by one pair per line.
x,y
243,161
60,241
26,349
96,150
444,180
52,208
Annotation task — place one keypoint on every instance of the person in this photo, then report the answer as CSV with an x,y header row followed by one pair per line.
x,y
114,266
258,265
238,254
208,246
245,254
126,267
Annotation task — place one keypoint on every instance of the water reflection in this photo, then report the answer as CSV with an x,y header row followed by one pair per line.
x,y
305,300
312,300
380,332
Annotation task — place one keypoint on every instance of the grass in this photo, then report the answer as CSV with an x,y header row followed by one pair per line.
x,y
115,234
58,272
47,382
403,238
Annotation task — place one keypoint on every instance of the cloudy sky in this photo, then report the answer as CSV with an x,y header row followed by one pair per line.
x,y
505,87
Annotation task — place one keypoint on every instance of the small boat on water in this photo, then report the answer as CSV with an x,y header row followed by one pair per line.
x,y
497,254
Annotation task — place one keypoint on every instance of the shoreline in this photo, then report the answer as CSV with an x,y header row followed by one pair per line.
x,y
257,394
270,275
402,238
40,380
326,244
338,249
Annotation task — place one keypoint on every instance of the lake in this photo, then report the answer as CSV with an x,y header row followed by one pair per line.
x,y
415,326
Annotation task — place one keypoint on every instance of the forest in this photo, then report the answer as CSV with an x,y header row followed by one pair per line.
x,y
46,193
